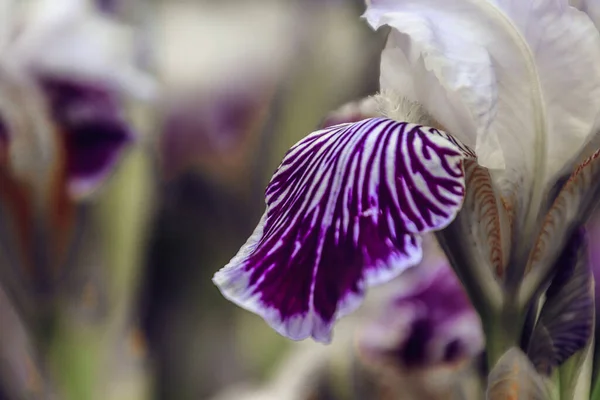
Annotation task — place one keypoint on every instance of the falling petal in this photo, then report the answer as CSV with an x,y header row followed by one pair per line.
x,y
566,321
344,211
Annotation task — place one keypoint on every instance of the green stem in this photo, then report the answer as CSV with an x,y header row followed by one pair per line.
x,y
86,332
502,331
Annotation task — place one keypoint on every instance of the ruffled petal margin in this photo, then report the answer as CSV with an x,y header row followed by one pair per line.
x,y
344,212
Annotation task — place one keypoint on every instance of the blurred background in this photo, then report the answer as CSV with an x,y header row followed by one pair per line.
x,y
275,70
109,295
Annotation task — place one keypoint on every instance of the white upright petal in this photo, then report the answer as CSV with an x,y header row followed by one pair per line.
x,y
566,47
443,52
520,78
403,72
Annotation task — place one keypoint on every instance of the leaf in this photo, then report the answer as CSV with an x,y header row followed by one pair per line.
x,y
515,378
566,320
573,205
476,242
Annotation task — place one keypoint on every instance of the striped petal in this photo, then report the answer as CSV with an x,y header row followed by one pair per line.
x,y
344,212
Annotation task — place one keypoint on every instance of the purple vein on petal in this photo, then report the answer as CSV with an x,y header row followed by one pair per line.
x,y
344,210
95,132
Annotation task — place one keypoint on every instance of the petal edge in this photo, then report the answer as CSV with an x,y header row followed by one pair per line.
x,y
344,212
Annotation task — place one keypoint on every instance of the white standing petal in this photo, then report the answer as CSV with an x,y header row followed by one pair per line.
x,y
520,78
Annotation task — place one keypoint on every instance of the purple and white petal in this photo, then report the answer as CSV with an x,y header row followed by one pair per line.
x,y
344,212
94,130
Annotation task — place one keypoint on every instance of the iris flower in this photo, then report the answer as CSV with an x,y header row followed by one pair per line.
x,y
67,78
486,108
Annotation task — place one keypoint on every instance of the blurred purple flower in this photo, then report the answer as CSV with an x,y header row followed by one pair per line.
x,y
429,321
93,127
65,72
71,66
